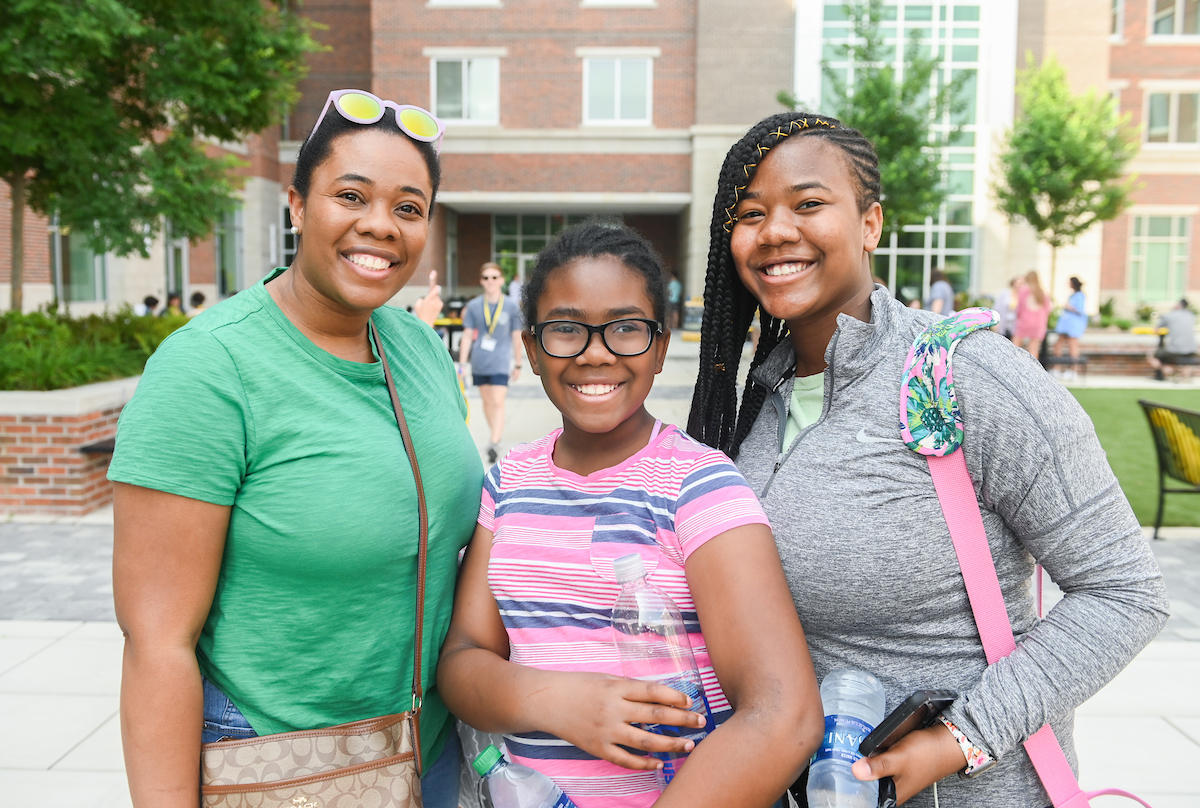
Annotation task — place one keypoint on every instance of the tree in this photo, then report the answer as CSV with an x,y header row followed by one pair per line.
x,y
894,112
104,107
1061,166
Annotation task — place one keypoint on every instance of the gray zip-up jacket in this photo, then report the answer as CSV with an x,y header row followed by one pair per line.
x,y
873,571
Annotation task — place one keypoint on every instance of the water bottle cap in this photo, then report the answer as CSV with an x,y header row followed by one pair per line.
x,y
486,760
629,568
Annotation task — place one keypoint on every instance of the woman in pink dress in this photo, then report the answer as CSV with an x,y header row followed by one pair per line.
x,y
1033,310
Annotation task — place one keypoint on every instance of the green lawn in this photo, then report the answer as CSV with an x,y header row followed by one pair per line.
x,y
1125,436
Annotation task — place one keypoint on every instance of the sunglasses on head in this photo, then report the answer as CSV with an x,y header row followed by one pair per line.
x,y
360,106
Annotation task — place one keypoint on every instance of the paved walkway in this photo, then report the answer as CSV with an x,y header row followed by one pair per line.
x,y
60,650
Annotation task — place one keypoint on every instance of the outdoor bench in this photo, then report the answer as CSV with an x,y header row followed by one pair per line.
x,y
1177,439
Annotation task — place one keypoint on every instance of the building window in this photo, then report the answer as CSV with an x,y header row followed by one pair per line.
x,y
517,238
80,274
229,250
467,89
1172,117
617,90
1158,251
1117,23
949,240
290,240
1175,17
176,268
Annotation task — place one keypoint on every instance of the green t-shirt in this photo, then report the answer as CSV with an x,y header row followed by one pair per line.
x,y
312,622
808,399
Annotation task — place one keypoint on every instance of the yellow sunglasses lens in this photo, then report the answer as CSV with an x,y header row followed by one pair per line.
x,y
418,122
357,105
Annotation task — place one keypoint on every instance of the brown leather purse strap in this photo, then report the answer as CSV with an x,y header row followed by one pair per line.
x,y
422,514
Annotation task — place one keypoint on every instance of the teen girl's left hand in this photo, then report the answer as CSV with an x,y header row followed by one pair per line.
x,y
916,762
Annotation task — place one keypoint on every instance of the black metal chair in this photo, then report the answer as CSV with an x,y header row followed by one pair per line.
x,y
1177,439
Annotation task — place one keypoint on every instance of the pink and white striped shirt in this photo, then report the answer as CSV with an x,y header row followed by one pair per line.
x,y
556,535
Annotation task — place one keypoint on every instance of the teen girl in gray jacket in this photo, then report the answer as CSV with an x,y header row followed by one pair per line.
x,y
856,518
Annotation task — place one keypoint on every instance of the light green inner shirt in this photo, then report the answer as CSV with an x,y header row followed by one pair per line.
x,y
808,398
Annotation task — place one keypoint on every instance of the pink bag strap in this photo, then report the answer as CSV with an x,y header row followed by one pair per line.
x,y
956,493
931,424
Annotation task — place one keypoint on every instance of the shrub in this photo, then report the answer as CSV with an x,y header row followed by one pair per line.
x,y
45,350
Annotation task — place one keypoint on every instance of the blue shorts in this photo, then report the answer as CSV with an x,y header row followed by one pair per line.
x,y
480,379
439,786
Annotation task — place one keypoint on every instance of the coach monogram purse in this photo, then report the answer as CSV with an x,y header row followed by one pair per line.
x,y
375,762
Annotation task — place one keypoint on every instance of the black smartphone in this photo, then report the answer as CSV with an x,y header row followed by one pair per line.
x,y
917,712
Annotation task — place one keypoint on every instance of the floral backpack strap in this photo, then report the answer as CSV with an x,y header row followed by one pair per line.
x,y
931,424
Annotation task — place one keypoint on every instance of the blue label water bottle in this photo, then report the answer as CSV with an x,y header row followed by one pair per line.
x,y
853,702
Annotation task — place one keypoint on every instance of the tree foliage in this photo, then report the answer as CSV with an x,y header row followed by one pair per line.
x,y
105,104
895,112
1061,166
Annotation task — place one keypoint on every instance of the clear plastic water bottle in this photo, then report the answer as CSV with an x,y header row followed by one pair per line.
x,y
853,702
654,646
515,786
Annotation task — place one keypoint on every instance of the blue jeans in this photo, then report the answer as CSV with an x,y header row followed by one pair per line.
x,y
439,785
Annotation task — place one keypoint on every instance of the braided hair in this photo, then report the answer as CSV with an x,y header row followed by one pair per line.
x,y
715,417
591,240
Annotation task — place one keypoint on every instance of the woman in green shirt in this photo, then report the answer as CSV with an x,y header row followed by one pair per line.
x,y
265,567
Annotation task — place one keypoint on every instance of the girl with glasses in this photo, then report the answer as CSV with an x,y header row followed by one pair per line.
x,y
530,651
265,569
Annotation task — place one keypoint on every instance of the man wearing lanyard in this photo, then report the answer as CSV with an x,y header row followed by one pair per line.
x,y
492,326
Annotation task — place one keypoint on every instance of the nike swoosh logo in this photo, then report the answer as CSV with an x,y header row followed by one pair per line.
x,y
863,437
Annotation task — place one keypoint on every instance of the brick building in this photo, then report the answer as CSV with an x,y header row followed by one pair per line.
x,y
625,108
1151,254
561,111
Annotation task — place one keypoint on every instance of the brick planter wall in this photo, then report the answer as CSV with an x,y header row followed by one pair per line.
x,y
1118,363
42,469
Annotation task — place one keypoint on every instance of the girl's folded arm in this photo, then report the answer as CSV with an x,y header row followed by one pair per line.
x,y
593,711
759,654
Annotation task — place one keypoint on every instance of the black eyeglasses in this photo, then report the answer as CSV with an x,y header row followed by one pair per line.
x,y
567,339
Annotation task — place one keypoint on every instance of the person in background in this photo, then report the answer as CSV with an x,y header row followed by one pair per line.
x,y
146,307
1033,310
491,341
197,301
1072,322
174,307
1006,306
674,301
514,289
941,294
1178,348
